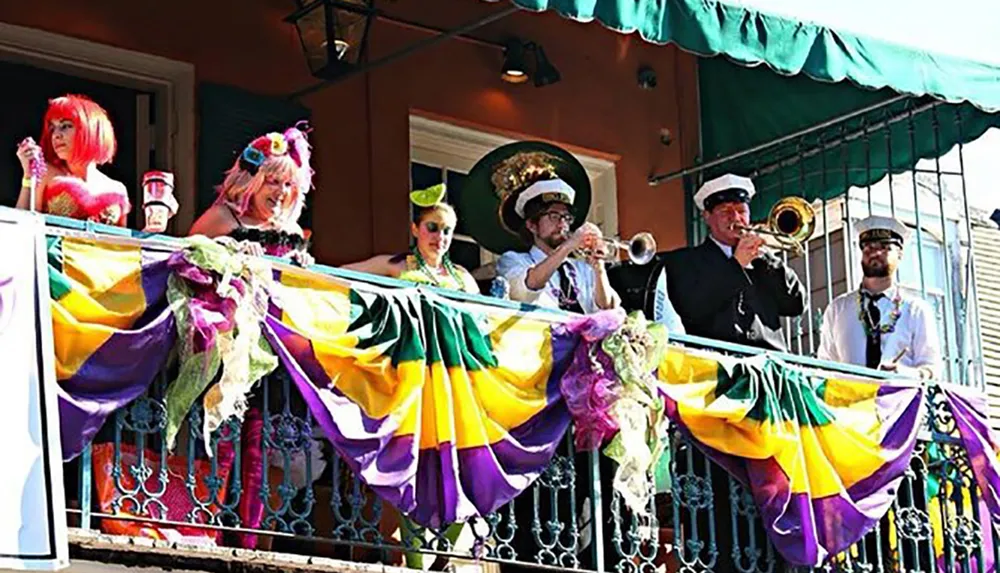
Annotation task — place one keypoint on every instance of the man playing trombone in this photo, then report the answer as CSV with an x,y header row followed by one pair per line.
x,y
730,288
878,325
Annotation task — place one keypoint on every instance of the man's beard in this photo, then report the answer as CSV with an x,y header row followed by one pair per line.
x,y
555,240
875,270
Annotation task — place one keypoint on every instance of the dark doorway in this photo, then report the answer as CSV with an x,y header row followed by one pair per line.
x,y
24,107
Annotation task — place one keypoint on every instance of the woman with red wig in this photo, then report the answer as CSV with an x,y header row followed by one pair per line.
x,y
262,196
77,136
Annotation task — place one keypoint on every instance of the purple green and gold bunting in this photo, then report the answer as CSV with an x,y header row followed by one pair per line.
x,y
111,326
447,414
822,457
448,410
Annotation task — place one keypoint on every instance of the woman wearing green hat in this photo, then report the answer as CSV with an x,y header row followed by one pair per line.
x,y
428,261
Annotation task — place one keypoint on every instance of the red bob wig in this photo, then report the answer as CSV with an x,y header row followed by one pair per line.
x,y
95,137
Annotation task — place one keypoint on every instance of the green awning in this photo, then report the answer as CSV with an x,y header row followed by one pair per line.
x,y
823,59
743,108
948,50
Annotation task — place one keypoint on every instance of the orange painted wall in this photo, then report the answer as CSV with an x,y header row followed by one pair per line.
x,y
361,124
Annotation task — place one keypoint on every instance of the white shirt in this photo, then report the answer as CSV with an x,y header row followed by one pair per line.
x,y
725,248
842,336
663,309
514,267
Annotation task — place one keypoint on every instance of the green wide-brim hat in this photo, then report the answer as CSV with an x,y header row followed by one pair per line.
x,y
489,214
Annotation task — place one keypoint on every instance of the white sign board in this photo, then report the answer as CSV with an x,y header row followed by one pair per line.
x,y
32,502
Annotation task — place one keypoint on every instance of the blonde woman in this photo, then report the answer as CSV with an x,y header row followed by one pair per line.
x,y
262,195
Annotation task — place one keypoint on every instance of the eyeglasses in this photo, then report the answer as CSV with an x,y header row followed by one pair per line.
x,y
556,216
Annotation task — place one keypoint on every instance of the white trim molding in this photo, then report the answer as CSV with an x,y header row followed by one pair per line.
x,y
447,145
172,81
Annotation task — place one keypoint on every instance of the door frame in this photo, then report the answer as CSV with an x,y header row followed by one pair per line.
x,y
172,81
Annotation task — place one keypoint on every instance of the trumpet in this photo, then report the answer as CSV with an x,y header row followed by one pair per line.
x,y
641,249
791,222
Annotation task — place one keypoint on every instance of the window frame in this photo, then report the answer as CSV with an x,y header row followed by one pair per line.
x,y
172,81
448,146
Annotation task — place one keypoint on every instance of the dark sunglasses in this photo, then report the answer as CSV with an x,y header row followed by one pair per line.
x,y
433,227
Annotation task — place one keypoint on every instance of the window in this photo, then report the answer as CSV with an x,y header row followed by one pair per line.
x,y
172,82
443,152
931,263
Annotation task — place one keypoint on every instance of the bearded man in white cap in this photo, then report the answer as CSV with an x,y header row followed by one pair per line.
x,y
546,275
878,325
729,288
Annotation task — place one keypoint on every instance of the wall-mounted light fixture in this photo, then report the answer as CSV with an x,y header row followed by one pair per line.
x,y
515,69
646,77
334,33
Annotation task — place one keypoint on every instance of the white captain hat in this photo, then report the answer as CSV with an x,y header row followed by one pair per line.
x,y
550,190
877,228
724,189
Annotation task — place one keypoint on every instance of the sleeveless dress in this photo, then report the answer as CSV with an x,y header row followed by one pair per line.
x,y
275,242
69,196
413,273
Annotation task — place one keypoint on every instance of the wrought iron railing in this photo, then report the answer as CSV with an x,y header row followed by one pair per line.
x,y
128,482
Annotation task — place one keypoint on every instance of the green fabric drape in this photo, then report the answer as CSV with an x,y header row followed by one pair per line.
x,y
918,52
744,107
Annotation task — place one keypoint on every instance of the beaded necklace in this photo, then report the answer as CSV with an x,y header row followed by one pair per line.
x,y
868,323
445,262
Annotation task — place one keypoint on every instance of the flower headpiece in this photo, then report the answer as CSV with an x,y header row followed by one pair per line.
x,y
292,143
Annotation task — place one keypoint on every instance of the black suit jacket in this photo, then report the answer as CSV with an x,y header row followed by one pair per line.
x,y
717,298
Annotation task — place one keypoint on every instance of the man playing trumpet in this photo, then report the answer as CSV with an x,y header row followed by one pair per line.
x,y
878,325
729,288
539,205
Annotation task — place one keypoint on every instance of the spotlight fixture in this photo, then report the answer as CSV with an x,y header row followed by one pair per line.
x,y
646,77
515,70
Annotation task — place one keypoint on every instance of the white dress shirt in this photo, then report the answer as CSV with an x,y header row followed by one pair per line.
x,y
514,267
842,336
663,309
725,248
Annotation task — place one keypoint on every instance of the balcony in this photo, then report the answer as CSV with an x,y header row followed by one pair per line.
x,y
274,491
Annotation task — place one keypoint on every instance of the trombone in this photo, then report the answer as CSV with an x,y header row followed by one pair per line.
x,y
791,222
641,249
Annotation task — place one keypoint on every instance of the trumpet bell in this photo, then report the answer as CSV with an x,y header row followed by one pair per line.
x,y
642,248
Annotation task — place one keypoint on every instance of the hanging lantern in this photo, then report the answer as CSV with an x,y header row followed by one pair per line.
x,y
334,33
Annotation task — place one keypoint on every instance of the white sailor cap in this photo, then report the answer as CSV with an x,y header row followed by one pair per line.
x,y
876,228
549,190
724,189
